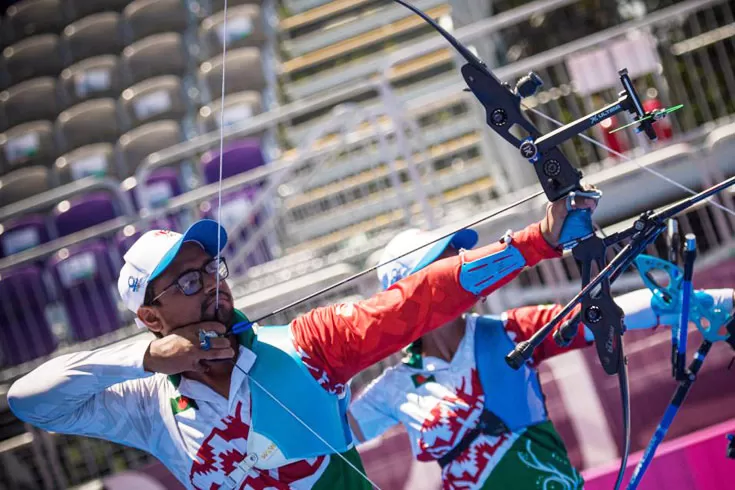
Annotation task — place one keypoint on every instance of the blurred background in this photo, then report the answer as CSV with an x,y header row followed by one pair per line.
x,y
345,122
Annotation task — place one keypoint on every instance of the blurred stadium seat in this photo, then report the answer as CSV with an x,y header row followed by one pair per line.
x,y
140,142
159,54
26,333
91,121
244,72
85,274
77,9
27,144
97,159
155,99
147,17
85,279
35,99
94,35
30,17
32,57
244,28
239,107
23,183
23,233
97,77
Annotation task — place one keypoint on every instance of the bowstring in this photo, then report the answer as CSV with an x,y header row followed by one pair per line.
x,y
633,160
219,254
221,151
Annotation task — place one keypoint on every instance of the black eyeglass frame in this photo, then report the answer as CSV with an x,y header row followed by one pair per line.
x,y
200,279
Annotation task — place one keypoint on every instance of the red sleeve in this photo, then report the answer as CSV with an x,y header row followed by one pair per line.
x,y
525,321
336,342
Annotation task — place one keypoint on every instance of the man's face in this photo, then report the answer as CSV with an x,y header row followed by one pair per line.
x,y
174,309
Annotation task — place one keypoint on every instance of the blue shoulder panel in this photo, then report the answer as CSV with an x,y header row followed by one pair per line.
x,y
278,368
514,396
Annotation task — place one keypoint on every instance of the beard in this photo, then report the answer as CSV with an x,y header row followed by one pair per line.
x,y
221,312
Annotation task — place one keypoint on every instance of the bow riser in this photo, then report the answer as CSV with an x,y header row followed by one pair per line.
x,y
503,108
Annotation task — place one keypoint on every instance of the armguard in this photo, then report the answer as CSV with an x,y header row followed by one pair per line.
x,y
481,273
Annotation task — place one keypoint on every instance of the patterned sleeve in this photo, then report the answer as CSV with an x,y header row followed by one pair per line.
x,y
522,323
372,409
338,341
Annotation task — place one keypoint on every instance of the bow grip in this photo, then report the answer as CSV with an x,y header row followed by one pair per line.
x,y
578,223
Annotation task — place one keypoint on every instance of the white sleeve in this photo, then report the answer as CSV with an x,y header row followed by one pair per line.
x,y
372,409
640,315
97,393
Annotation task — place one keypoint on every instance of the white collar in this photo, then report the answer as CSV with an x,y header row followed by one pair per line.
x,y
201,392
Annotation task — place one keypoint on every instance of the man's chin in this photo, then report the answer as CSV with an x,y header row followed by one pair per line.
x,y
224,314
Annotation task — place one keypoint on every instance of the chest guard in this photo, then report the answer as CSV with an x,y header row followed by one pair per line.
x,y
515,397
276,437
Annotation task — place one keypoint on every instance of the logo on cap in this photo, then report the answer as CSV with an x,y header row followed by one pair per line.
x,y
134,283
163,232
397,272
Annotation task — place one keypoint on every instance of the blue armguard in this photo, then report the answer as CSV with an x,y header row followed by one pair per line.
x,y
478,275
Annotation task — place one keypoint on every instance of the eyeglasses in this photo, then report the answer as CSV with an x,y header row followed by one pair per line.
x,y
192,281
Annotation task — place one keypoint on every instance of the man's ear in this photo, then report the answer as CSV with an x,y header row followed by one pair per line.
x,y
151,318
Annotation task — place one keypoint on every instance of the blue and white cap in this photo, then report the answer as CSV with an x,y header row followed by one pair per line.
x,y
408,240
154,251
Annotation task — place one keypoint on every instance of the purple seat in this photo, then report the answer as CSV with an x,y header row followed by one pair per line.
x,y
84,274
83,212
22,234
163,184
85,278
25,333
237,157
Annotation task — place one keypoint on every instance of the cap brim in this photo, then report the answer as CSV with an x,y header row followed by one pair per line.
x,y
466,239
204,232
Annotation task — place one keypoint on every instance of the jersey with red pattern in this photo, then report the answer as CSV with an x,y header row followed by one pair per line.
x,y
438,402
201,436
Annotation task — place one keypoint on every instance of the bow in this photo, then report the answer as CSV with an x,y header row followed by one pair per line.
x,y
677,301
559,180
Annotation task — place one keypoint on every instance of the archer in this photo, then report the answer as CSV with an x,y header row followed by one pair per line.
x,y
462,406
179,398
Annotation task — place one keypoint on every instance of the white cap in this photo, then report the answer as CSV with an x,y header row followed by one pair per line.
x,y
408,240
154,251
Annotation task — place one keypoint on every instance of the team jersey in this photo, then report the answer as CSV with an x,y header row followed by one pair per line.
x,y
201,436
438,402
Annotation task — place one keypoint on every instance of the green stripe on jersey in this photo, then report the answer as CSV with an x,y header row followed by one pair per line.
x,y
341,475
538,460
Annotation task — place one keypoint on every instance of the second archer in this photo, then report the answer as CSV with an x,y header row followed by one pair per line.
x,y
484,423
